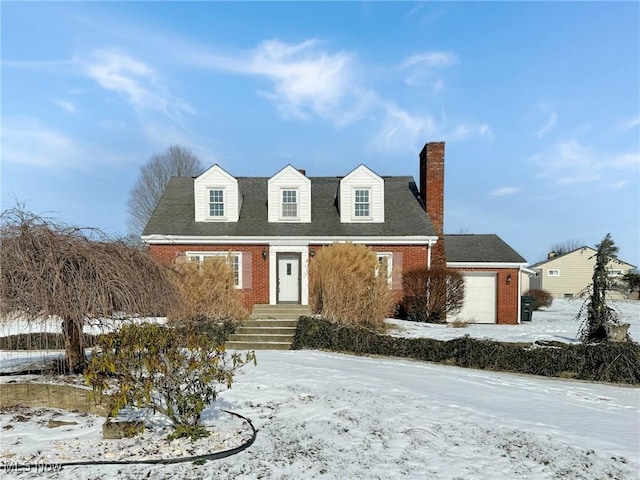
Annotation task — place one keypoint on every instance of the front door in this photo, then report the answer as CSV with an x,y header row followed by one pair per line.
x,y
288,277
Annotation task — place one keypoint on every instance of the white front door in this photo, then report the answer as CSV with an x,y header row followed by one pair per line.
x,y
288,277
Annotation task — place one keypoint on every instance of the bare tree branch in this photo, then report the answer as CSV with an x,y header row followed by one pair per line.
x,y
177,161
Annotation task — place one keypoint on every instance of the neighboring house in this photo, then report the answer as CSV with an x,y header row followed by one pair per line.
x,y
570,274
269,228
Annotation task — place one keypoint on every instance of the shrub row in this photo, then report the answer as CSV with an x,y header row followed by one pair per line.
x,y
617,363
39,341
217,331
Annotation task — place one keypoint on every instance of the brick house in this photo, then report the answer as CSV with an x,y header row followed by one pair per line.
x,y
269,228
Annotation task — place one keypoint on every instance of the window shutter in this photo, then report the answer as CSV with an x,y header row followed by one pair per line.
x,y
396,275
246,270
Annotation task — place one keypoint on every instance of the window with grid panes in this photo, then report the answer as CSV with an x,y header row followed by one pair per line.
x,y
216,203
361,203
289,203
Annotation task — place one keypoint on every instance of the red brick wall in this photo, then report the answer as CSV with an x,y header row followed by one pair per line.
x,y
508,295
259,291
432,194
413,256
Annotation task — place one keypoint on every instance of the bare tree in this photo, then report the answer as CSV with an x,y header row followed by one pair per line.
x,y
560,248
49,269
177,161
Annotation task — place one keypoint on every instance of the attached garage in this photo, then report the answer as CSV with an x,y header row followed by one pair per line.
x,y
479,298
492,273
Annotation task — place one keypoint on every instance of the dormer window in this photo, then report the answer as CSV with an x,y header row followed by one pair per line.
x,y
216,203
217,196
289,196
362,208
361,197
289,204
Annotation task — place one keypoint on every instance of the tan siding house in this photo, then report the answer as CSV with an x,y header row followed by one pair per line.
x,y
570,274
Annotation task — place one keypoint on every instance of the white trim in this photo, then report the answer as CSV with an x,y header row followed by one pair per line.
x,y
202,255
303,250
281,204
485,265
389,258
225,207
361,218
290,240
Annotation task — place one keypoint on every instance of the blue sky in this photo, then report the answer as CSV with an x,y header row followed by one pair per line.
x,y
538,103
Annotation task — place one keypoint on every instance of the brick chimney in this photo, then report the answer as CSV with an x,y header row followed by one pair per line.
x,y
432,194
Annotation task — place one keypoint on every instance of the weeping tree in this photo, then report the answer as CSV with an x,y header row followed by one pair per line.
x,y
52,270
598,315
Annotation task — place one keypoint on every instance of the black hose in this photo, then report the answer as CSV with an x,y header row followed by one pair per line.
x,y
165,461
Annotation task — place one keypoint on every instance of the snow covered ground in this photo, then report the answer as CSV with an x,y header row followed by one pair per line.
x,y
556,322
332,416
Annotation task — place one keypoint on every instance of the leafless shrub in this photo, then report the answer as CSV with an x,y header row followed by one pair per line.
x,y
49,269
208,292
432,293
542,298
347,285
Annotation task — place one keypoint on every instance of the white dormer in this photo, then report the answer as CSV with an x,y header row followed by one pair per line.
x,y
289,197
217,196
361,197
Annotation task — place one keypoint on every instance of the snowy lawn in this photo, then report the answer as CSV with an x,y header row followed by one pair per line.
x,y
556,323
333,416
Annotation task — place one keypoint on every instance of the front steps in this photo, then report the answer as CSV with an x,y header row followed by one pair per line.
x,y
270,327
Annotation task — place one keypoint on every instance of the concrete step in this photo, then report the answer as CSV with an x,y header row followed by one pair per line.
x,y
280,311
266,330
258,346
269,323
241,337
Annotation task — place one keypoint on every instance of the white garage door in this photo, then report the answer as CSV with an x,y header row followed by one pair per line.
x,y
479,298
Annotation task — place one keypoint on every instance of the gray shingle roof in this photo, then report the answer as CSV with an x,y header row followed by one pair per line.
x,y
480,248
404,215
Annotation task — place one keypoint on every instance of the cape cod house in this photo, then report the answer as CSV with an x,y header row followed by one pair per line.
x,y
269,228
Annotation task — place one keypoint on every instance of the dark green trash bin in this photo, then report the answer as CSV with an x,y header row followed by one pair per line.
x,y
526,308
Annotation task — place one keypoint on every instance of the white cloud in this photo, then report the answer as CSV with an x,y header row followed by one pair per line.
x,y
501,192
431,60
422,70
631,123
38,146
306,80
550,123
402,130
140,84
67,106
570,162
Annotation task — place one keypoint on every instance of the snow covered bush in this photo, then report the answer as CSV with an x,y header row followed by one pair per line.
x,y
432,293
348,285
175,371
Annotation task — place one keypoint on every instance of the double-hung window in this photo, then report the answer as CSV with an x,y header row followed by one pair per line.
x,y
362,206
289,203
216,203
232,258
